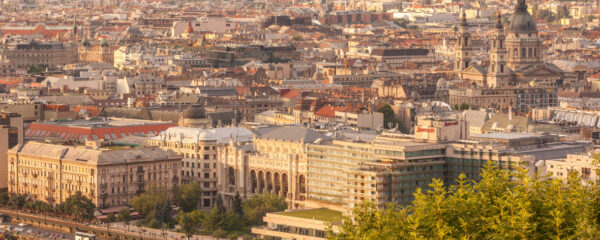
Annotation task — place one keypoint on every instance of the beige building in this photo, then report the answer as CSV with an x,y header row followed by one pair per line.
x,y
101,53
584,164
199,150
51,54
109,175
274,163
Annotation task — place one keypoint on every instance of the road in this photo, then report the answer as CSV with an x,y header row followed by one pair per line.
x,y
116,229
38,233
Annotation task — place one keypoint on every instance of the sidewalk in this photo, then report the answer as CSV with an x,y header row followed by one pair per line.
x,y
144,231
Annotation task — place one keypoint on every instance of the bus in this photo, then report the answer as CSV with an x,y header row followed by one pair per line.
x,y
84,236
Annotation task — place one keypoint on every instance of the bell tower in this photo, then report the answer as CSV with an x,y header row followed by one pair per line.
x,y
498,74
463,48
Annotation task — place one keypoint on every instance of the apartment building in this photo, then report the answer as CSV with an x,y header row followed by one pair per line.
x,y
109,175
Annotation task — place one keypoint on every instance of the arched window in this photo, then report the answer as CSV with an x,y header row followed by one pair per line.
x,y
501,44
515,53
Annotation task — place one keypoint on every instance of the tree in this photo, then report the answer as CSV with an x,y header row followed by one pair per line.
x,y
4,197
238,206
78,206
256,207
111,217
188,196
190,222
155,206
17,201
389,117
124,216
502,205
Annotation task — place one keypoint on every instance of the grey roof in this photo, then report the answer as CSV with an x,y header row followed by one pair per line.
x,y
92,156
475,118
400,52
503,121
295,134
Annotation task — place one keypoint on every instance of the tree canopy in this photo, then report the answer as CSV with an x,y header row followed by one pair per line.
x,y
503,205
188,196
78,206
257,206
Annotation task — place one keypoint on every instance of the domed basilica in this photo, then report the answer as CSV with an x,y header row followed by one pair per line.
x,y
516,54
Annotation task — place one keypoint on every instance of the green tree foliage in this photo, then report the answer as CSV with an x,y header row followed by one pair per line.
x,y
17,201
188,196
155,206
238,206
389,117
78,206
4,197
124,216
37,206
111,218
256,207
190,222
503,205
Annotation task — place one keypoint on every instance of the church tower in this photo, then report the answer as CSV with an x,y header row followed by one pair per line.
x,y
522,42
463,46
498,74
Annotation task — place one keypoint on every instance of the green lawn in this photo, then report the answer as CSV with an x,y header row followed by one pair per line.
x,y
321,214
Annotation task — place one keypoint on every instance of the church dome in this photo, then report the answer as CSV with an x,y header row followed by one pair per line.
x,y
195,111
521,20
441,84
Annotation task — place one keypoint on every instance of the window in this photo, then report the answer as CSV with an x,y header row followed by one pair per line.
x,y
206,175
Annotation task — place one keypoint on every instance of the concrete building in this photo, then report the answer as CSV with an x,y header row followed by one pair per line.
x,y
109,175
11,134
583,163
299,224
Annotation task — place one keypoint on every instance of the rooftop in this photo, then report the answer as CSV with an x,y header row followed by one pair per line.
x,y
321,214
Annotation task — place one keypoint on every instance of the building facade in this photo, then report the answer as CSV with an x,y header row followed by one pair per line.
x,y
109,176
50,54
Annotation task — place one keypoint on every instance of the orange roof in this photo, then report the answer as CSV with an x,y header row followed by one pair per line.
x,y
38,29
11,81
328,111
291,94
189,28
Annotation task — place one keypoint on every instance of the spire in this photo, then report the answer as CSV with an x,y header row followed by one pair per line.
x,y
521,6
189,28
463,19
499,21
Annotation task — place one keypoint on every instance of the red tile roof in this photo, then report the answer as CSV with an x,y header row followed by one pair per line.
x,y
328,111
41,130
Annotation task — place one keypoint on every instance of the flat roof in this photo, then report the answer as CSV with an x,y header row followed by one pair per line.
x,y
507,136
321,214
